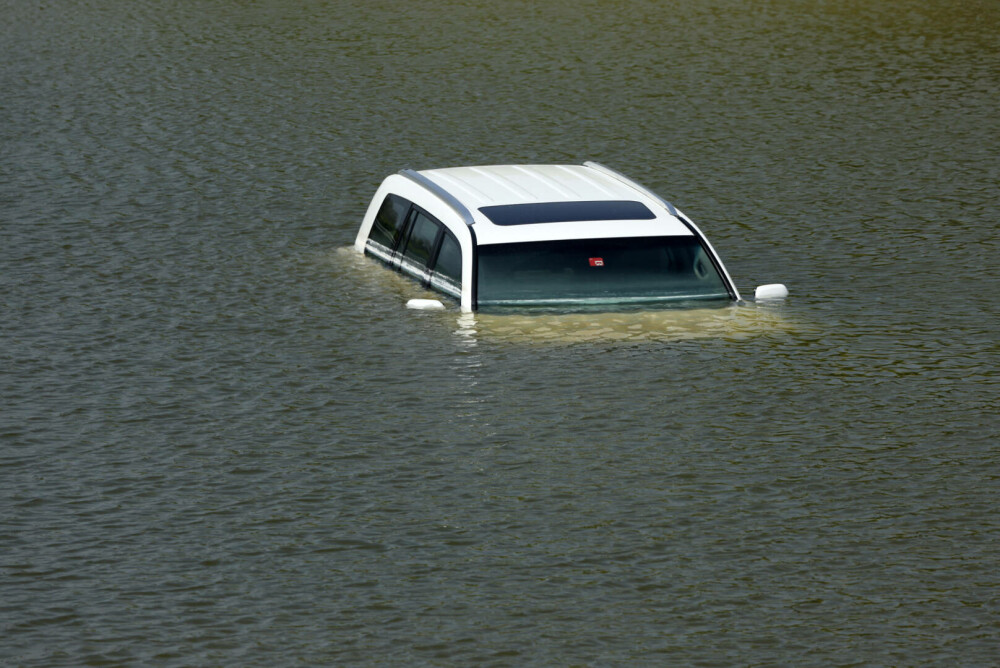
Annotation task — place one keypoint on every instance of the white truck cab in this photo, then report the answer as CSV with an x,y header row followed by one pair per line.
x,y
540,235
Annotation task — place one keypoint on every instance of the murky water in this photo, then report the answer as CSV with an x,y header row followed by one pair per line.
x,y
224,440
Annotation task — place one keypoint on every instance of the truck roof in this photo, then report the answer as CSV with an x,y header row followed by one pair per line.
x,y
513,203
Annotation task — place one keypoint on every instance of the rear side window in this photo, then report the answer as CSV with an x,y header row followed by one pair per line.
x,y
449,259
447,276
389,221
421,240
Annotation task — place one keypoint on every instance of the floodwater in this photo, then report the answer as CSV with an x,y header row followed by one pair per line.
x,y
225,441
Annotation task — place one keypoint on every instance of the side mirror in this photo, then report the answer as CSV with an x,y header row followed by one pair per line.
x,y
425,305
770,291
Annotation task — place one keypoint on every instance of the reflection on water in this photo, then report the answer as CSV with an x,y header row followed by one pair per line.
x,y
729,322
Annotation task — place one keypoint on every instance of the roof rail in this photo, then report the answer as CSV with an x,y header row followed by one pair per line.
x,y
627,181
443,194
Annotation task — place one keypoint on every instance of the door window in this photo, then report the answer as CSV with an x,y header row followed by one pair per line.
x,y
420,244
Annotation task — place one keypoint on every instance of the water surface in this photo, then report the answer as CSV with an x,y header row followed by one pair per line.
x,y
224,440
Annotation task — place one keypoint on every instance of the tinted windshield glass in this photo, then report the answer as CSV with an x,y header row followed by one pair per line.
x,y
597,271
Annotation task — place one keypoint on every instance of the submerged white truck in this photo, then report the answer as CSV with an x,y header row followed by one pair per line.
x,y
542,235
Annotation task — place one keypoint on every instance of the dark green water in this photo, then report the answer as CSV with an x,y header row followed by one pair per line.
x,y
224,441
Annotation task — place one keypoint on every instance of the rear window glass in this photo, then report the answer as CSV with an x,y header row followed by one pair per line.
x,y
389,221
566,212
597,271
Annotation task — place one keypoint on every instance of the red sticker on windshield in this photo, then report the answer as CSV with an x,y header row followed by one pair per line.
x,y
596,262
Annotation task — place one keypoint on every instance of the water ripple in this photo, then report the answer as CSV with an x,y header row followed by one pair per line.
x,y
225,441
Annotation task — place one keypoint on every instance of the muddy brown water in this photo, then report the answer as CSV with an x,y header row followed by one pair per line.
x,y
224,440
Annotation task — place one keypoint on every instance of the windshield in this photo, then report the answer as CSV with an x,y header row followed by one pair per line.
x,y
597,271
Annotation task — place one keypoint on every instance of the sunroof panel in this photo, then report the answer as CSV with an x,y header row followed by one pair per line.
x,y
566,212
